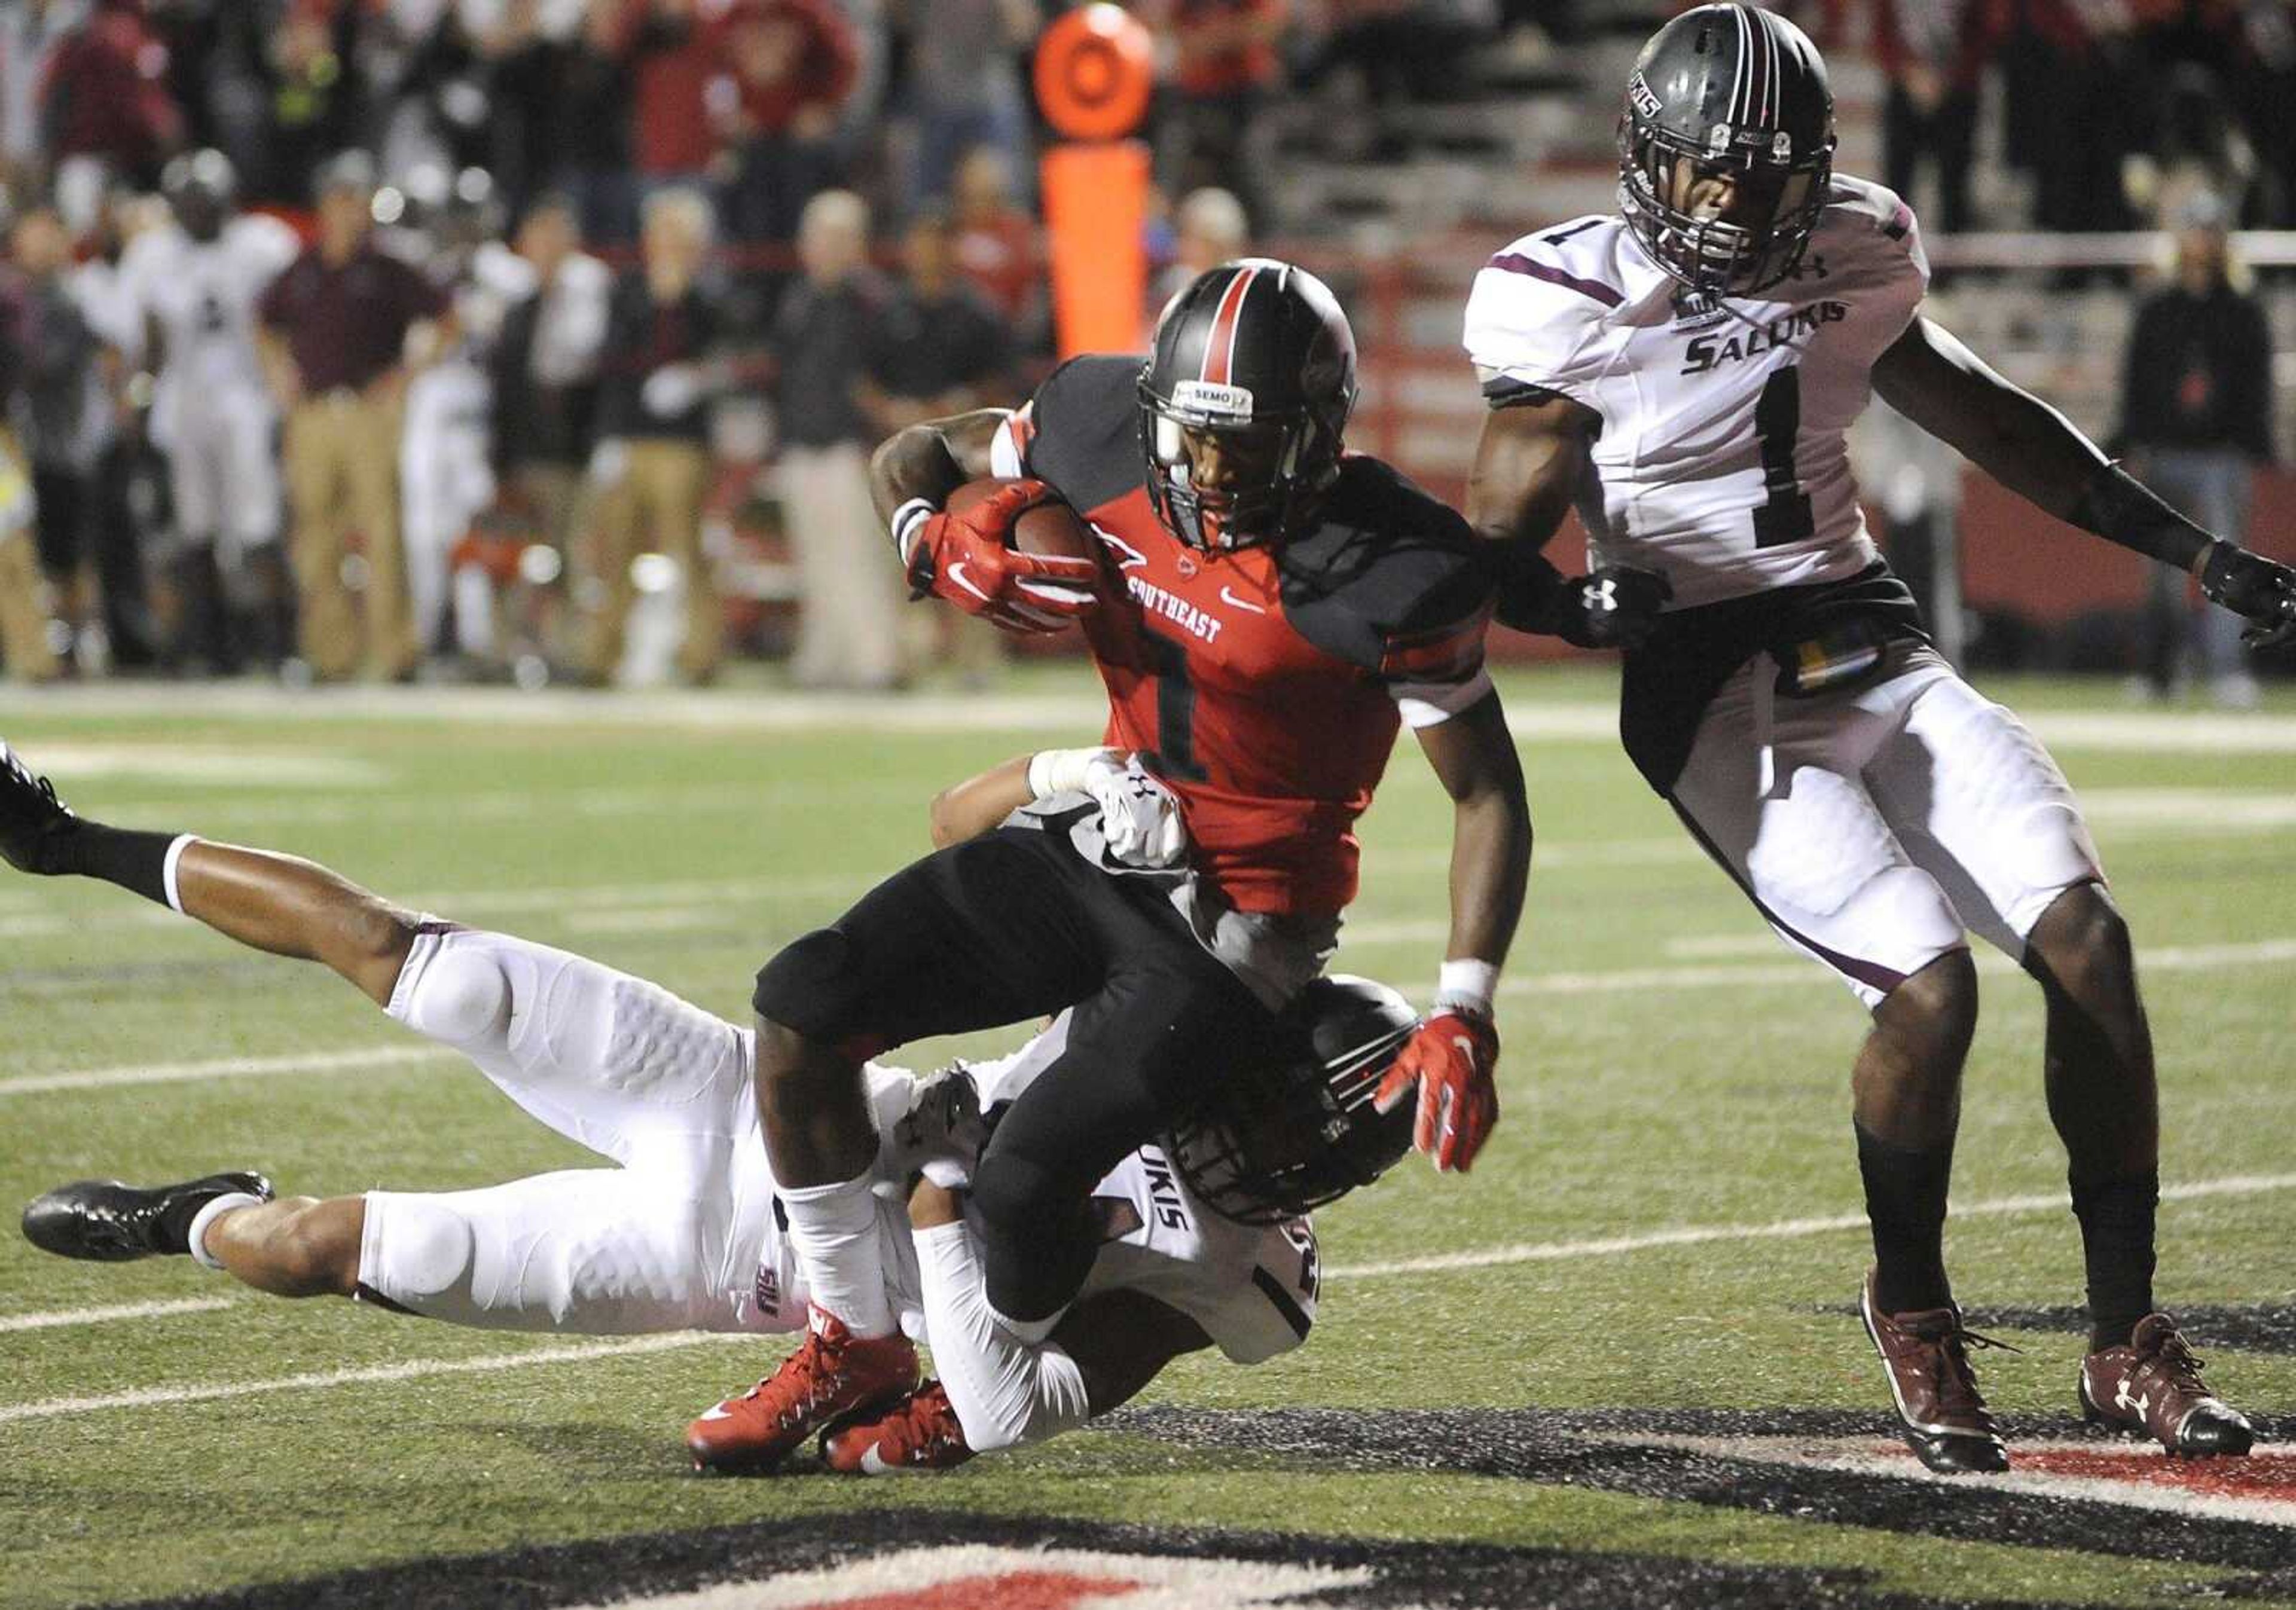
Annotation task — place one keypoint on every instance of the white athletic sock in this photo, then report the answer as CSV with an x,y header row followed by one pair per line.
x,y
840,1248
183,841
208,1215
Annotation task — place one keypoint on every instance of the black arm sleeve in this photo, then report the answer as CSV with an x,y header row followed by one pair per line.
x,y
2121,509
2254,420
1529,590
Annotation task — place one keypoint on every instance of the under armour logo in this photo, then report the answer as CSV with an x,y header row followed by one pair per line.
x,y
1603,595
2137,1405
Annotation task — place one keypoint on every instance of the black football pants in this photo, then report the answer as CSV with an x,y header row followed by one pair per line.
x,y
1005,927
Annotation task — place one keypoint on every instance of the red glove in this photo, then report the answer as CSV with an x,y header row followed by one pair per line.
x,y
1451,1058
963,559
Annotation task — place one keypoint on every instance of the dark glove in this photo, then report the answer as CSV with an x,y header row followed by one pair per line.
x,y
2251,586
1616,606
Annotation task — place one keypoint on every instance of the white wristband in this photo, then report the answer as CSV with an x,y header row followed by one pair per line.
x,y
1467,984
1059,770
907,518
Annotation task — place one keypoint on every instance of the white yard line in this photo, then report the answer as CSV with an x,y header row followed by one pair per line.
x,y
1697,1235
1078,707
712,894
410,1370
512,804
350,1059
2163,959
2169,958
62,1317
225,766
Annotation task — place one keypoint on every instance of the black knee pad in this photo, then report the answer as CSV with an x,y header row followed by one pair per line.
x,y
1036,1240
820,989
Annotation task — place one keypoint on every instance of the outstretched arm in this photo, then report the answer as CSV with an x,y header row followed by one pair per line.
x,y
931,460
968,809
1939,384
1529,461
1474,758
1139,818
2030,447
1006,1391
1454,1057
969,559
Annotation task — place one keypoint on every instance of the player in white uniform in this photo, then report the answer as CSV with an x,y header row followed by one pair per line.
x,y
685,1232
1684,372
195,281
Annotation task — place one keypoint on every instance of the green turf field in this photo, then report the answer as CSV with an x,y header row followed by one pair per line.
x,y
1669,1068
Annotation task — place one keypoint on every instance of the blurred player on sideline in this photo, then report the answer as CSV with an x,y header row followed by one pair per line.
x,y
195,282
1685,371
687,1231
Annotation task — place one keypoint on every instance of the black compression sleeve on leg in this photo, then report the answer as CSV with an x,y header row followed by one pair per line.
x,y
2117,1219
2121,509
1905,1200
136,862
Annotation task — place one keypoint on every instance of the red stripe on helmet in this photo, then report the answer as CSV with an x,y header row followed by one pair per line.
x,y
1219,346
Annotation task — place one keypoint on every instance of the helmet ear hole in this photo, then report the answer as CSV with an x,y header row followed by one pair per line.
x,y
1282,1139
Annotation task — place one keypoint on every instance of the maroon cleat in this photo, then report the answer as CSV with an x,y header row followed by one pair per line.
x,y
1942,1414
2151,1386
921,1433
833,1375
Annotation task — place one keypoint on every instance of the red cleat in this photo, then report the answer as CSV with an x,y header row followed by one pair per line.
x,y
921,1433
833,1375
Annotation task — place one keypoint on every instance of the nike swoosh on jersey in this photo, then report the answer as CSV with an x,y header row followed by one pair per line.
x,y
1228,595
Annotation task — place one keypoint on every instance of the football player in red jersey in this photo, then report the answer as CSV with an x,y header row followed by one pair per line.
x,y
1271,611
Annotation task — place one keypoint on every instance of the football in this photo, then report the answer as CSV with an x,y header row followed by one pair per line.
x,y
1049,528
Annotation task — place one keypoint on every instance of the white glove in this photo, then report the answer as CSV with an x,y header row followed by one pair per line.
x,y
670,389
1140,820
1138,816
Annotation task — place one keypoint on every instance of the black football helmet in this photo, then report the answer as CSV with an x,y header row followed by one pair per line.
x,y
200,187
1242,402
1736,90
1280,1138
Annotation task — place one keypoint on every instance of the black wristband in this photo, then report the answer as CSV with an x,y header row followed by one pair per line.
x,y
2121,509
1529,590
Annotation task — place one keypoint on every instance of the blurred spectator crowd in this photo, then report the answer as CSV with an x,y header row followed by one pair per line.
x,y
546,339
379,339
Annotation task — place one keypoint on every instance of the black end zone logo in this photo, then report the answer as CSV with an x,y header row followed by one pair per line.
x,y
967,1576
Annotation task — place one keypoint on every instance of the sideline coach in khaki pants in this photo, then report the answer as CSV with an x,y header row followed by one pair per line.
x,y
25,651
849,635
335,342
650,469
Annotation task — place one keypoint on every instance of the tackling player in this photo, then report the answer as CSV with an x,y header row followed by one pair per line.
x,y
1685,371
686,1233
1284,607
